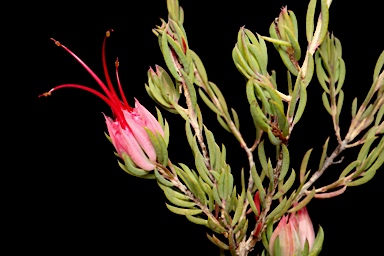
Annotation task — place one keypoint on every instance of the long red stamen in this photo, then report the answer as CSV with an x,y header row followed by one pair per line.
x,y
102,85
106,74
120,87
116,110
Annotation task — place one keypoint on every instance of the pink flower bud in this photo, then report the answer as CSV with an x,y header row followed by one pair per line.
x,y
293,231
127,129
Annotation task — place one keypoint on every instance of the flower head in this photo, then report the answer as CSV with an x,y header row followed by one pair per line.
x,y
127,128
293,231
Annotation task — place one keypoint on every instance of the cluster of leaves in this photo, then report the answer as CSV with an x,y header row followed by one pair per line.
x,y
206,193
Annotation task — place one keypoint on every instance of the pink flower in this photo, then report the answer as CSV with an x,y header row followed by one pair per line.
x,y
127,129
292,232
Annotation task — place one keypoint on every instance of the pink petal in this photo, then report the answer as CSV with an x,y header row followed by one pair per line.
x,y
149,120
282,224
135,152
140,135
306,230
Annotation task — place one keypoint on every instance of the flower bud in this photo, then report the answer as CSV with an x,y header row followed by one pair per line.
x,y
292,232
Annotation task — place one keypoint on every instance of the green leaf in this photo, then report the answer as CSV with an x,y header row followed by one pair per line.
x,y
262,156
162,180
342,72
310,70
190,88
378,66
294,95
235,119
217,242
324,21
168,55
302,103
303,202
273,139
259,119
202,169
294,42
277,210
197,220
287,61
182,211
209,103
354,108
304,163
223,124
324,154
200,67
238,211
287,185
277,41
258,184
176,201
310,19
131,167
340,101
318,244
321,75
159,146
215,226
326,103
252,203
285,162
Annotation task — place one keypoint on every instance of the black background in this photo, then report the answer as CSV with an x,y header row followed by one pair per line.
x,y
77,199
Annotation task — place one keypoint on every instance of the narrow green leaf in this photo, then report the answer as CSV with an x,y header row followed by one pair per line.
x,y
277,210
342,72
190,87
162,180
223,124
252,203
303,202
217,242
238,211
199,66
273,139
202,169
182,211
326,103
378,66
310,19
197,220
310,70
287,185
285,162
294,43
324,154
131,167
215,226
235,119
340,102
302,103
304,163
287,62
324,21
318,244
168,55
277,41
176,201
354,108
209,103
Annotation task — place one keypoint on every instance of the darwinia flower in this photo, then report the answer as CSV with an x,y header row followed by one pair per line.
x,y
127,129
293,231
